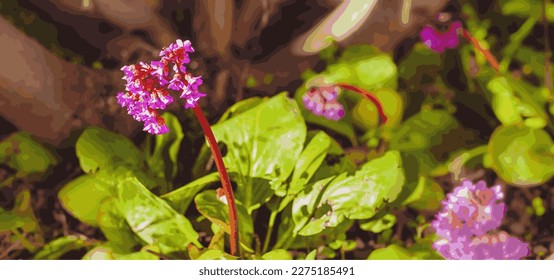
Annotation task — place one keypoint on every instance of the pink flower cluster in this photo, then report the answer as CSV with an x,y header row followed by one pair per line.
x,y
148,85
440,41
470,212
322,101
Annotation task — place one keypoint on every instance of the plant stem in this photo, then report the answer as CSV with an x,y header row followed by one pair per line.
x,y
367,95
269,230
224,177
488,55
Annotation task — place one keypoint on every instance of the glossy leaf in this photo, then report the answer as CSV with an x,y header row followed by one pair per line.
x,y
391,252
98,148
360,196
115,228
83,196
252,139
152,219
309,161
521,155
504,103
380,224
181,198
279,254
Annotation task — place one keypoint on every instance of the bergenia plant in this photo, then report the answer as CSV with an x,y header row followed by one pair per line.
x,y
148,89
322,101
439,41
467,225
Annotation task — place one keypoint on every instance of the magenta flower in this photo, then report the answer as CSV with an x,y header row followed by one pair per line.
x,y
322,101
470,210
440,41
469,213
499,246
148,85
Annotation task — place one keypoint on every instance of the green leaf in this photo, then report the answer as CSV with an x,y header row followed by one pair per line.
x,y
163,160
427,195
379,225
420,67
21,216
152,219
391,252
366,116
527,8
309,161
419,135
312,255
181,198
333,200
215,255
217,212
521,155
115,228
364,66
98,148
82,196
199,168
504,103
29,158
252,139
107,252
58,247
279,254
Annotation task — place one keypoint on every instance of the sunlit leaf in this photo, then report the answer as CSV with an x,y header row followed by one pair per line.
x,y
28,157
360,196
279,254
98,148
521,155
181,198
152,219
252,138
58,247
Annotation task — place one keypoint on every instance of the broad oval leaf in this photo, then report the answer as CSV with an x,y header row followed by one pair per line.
x,y
360,196
152,219
82,197
252,139
98,148
29,158
521,155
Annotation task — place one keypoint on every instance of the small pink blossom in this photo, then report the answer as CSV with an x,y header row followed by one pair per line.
x,y
322,101
440,41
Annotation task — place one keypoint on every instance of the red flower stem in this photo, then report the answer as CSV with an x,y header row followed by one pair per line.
x,y
367,95
488,55
223,176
